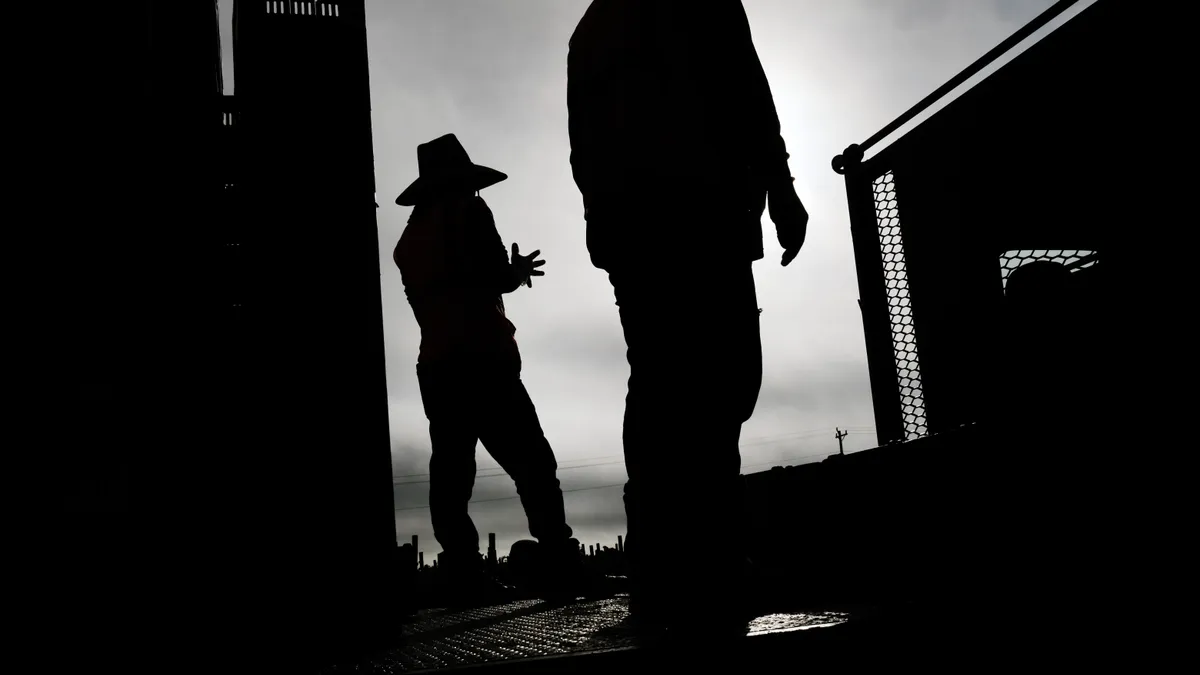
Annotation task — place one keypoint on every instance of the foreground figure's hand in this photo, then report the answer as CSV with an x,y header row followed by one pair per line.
x,y
526,265
791,220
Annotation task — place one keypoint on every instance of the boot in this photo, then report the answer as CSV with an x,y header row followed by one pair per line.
x,y
562,577
463,582
689,602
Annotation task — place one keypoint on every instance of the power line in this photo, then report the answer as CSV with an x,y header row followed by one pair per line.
x,y
785,437
612,485
609,485
503,474
587,466
498,468
504,499
750,443
780,462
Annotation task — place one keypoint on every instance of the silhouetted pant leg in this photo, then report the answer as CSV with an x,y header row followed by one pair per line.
x,y
471,401
451,407
512,434
695,359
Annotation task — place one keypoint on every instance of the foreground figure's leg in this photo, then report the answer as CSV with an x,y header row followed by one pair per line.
x,y
695,372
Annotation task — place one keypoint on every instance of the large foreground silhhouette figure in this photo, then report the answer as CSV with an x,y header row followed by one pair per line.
x,y
455,270
676,150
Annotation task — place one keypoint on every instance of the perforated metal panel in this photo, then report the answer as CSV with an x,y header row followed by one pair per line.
x,y
900,311
1073,260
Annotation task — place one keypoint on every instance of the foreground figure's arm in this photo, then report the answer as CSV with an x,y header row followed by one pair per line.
x,y
767,150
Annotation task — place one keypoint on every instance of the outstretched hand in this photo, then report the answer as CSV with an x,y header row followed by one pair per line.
x,y
526,265
791,221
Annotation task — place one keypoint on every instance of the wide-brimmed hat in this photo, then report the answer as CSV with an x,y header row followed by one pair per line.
x,y
443,163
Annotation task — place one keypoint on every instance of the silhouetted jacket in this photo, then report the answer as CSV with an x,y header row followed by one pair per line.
x,y
455,270
670,113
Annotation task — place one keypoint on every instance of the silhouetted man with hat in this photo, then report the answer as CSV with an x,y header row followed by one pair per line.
x,y
676,150
455,270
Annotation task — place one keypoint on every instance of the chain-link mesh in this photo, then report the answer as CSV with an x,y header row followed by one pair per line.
x,y
904,339
1073,260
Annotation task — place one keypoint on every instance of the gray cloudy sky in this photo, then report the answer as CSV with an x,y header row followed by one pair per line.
x,y
494,73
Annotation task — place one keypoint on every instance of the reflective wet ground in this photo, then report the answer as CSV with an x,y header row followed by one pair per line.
x,y
437,639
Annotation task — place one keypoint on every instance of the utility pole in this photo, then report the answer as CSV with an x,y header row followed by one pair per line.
x,y
839,435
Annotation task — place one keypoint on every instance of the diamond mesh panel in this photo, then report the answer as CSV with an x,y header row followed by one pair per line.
x,y
904,339
1074,260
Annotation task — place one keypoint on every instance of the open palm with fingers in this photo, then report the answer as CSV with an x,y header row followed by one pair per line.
x,y
526,265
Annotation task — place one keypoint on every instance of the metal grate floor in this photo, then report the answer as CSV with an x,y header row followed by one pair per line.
x,y
438,639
